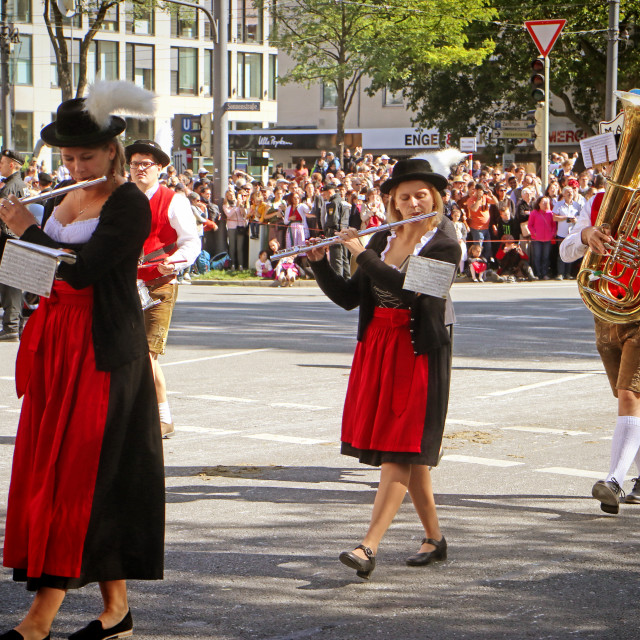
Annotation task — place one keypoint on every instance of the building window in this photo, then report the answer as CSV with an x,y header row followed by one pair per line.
x,y
19,11
184,71
250,75
392,98
73,55
102,61
139,19
207,88
23,131
184,23
140,65
251,22
273,77
111,19
75,19
20,69
329,95
139,129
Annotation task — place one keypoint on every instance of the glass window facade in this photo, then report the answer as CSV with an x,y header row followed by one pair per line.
x,y
23,131
329,95
102,61
184,23
207,88
184,71
19,11
74,55
272,89
111,19
141,65
20,62
249,75
392,98
250,22
140,19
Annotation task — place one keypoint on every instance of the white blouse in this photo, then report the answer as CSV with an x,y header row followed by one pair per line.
x,y
77,232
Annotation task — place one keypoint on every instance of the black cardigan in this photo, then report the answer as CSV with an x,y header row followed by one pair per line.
x,y
428,330
108,261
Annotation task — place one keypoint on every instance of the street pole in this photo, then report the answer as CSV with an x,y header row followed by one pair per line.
x,y
5,108
219,90
544,166
612,59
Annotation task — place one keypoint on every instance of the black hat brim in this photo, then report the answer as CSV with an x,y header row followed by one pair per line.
x,y
435,179
147,149
50,135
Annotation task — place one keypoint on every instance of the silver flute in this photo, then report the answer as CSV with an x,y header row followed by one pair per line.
x,y
58,192
294,251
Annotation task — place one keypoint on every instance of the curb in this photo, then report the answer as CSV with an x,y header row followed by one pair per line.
x,y
253,283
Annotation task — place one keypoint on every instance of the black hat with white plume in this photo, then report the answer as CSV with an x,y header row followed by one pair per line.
x,y
433,168
83,122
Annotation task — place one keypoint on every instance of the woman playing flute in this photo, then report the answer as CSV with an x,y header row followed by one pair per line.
x,y
398,390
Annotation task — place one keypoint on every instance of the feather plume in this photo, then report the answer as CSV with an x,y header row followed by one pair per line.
x,y
117,96
164,137
442,161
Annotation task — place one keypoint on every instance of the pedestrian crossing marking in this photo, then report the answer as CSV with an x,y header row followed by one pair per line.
x,y
294,405
579,473
564,432
208,430
537,385
286,439
9,378
469,423
233,354
488,462
224,399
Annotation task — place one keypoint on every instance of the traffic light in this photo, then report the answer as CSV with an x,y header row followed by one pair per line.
x,y
206,122
538,127
537,79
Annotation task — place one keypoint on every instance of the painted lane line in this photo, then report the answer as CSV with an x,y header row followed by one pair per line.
x,y
223,355
578,473
294,405
224,399
469,423
212,431
564,432
288,439
537,385
487,462
9,378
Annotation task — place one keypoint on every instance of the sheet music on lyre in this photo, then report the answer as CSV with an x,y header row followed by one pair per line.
x,y
599,149
429,276
31,267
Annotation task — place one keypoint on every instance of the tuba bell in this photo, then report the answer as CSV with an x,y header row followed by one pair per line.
x,y
609,284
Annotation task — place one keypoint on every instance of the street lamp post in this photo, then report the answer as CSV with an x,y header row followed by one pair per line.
x,y
219,90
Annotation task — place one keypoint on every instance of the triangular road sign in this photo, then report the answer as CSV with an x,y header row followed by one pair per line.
x,y
545,33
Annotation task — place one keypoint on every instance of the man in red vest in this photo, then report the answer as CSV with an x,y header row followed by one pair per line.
x,y
174,242
618,348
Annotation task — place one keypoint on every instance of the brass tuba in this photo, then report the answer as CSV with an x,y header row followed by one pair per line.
x,y
606,283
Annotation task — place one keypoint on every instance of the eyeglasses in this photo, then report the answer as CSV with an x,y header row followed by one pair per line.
x,y
142,166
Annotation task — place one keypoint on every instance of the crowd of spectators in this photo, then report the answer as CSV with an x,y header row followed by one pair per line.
x,y
507,226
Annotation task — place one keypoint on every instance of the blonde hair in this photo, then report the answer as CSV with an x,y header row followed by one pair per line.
x,y
438,205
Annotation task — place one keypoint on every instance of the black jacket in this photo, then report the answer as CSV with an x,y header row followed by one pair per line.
x,y
109,262
428,330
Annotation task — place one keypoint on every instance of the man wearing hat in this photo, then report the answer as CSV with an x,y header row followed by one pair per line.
x,y
13,184
335,217
173,237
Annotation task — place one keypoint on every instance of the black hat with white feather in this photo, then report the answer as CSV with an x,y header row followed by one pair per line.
x,y
83,122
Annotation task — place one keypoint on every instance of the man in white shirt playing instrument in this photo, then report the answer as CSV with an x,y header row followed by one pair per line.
x,y
172,245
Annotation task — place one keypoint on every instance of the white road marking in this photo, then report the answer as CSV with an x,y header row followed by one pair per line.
x,y
10,378
537,385
293,405
224,399
594,354
288,439
222,355
13,410
565,432
579,473
208,430
469,423
487,462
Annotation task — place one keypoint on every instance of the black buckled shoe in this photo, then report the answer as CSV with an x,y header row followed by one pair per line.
x,y
423,559
95,631
634,496
609,493
364,568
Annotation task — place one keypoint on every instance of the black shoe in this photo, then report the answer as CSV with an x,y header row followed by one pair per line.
x,y
423,559
609,493
364,568
16,635
95,631
634,496
9,336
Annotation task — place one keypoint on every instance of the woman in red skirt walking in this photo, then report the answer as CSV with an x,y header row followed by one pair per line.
x,y
86,500
398,390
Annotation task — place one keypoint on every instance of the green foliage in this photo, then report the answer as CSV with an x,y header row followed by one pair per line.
x,y
462,98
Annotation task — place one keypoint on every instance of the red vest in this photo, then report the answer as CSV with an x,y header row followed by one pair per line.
x,y
595,206
162,233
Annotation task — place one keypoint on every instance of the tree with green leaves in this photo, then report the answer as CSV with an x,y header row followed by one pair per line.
x,y
464,98
342,42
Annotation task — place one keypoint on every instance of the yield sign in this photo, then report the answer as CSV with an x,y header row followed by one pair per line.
x,y
545,33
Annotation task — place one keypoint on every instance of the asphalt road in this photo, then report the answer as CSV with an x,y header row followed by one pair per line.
x,y
260,503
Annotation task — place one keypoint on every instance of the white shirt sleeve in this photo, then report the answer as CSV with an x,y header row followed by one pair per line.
x,y
572,248
182,220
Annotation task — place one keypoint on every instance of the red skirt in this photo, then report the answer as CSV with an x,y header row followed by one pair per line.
x,y
386,398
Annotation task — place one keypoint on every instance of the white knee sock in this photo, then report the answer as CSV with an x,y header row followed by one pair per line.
x,y
624,447
165,412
